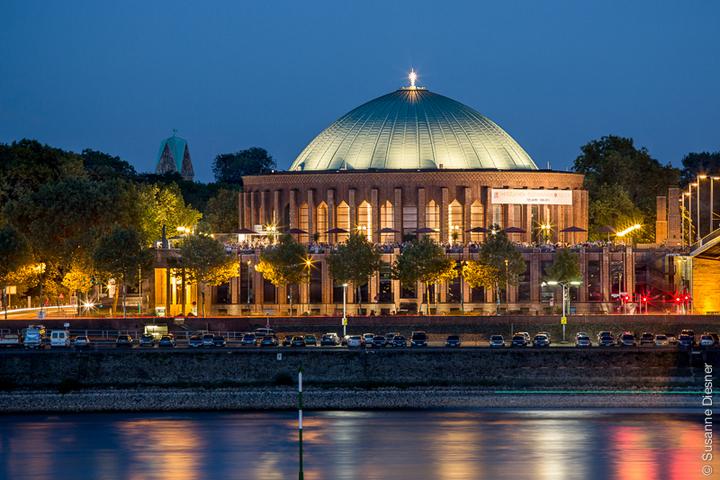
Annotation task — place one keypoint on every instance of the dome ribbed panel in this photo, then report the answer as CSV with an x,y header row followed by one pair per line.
x,y
411,129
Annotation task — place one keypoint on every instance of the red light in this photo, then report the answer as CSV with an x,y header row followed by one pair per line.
x,y
644,299
677,299
687,298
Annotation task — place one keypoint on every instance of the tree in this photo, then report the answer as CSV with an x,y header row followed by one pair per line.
x,y
206,263
78,280
121,254
424,261
614,161
159,205
229,168
101,166
14,254
613,207
283,264
506,262
702,163
565,267
221,213
477,274
354,261
27,164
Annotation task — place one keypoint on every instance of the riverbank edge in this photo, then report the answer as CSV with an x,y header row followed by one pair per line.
x,y
230,399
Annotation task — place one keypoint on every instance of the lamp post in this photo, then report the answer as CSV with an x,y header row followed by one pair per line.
x,y
249,262
697,181
344,319
690,215
565,299
712,202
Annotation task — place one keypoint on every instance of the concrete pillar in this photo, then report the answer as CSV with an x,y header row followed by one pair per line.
x,y
247,221
330,200
353,209
535,276
661,232
673,214
262,217
241,209
311,214
277,208
528,223
444,215
293,209
398,216
375,215
583,289
605,275
467,201
253,210
422,203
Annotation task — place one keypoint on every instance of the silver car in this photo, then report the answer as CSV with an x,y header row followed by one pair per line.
x,y
582,340
354,341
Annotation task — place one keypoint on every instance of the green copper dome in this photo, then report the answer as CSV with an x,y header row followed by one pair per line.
x,y
413,128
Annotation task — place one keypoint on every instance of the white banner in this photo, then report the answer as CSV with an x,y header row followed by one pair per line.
x,y
520,196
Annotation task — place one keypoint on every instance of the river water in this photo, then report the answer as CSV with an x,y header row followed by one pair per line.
x,y
425,444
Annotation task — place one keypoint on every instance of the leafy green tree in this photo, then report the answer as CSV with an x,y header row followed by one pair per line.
x,y
701,163
615,162
477,274
15,253
159,205
121,254
206,263
221,213
101,166
424,261
506,262
78,280
283,264
354,261
27,164
565,267
229,168
613,207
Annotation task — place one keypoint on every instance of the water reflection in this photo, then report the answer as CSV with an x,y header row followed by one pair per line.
x,y
445,445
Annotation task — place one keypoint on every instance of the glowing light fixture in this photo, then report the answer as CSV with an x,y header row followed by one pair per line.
x,y
412,77
628,230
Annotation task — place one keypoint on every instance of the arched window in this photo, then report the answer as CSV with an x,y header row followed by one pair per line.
x,y
304,222
364,224
432,219
476,219
455,222
322,222
343,220
387,220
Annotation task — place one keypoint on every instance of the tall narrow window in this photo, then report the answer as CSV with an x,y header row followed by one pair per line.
x,y
304,222
387,220
455,222
409,219
322,222
432,219
364,224
476,220
343,220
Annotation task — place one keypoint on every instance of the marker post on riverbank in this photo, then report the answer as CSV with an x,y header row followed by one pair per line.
x,y
301,475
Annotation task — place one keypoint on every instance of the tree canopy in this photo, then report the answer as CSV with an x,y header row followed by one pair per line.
x,y
613,207
565,267
505,262
229,168
283,264
423,261
221,213
14,253
354,261
700,163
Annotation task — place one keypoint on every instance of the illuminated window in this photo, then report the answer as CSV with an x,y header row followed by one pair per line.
x,y
497,217
304,222
343,220
432,219
365,225
387,220
455,222
322,222
409,219
476,219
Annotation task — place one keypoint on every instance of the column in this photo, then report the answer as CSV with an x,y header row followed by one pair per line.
x,y
277,212
353,209
398,216
375,215
311,213
528,225
605,275
253,210
468,200
330,199
535,276
422,203
293,209
262,213
241,209
444,214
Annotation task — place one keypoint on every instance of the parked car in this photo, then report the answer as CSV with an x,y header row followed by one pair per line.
x,y
453,341
9,340
389,337
541,341
264,332
368,339
627,339
418,339
378,341
672,338
33,337
706,340
690,333
311,340
606,339
269,341
528,338
167,341
82,342
497,341
248,340
287,341
661,340
354,341
124,341
518,340
685,342
219,341
330,340
59,338
298,341
547,334
399,341
208,340
195,341
146,340
582,339
647,338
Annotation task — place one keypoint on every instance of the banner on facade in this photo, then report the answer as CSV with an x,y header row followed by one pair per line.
x,y
521,196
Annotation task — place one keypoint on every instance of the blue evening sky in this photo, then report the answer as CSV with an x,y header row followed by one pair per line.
x,y
119,76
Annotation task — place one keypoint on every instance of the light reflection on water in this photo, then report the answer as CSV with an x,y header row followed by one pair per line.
x,y
430,444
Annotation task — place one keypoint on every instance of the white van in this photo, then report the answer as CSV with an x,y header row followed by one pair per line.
x,y
59,338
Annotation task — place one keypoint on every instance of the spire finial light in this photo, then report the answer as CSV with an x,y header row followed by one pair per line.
x,y
412,77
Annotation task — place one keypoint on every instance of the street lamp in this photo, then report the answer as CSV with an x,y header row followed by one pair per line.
x,y
308,265
565,299
344,319
249,262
